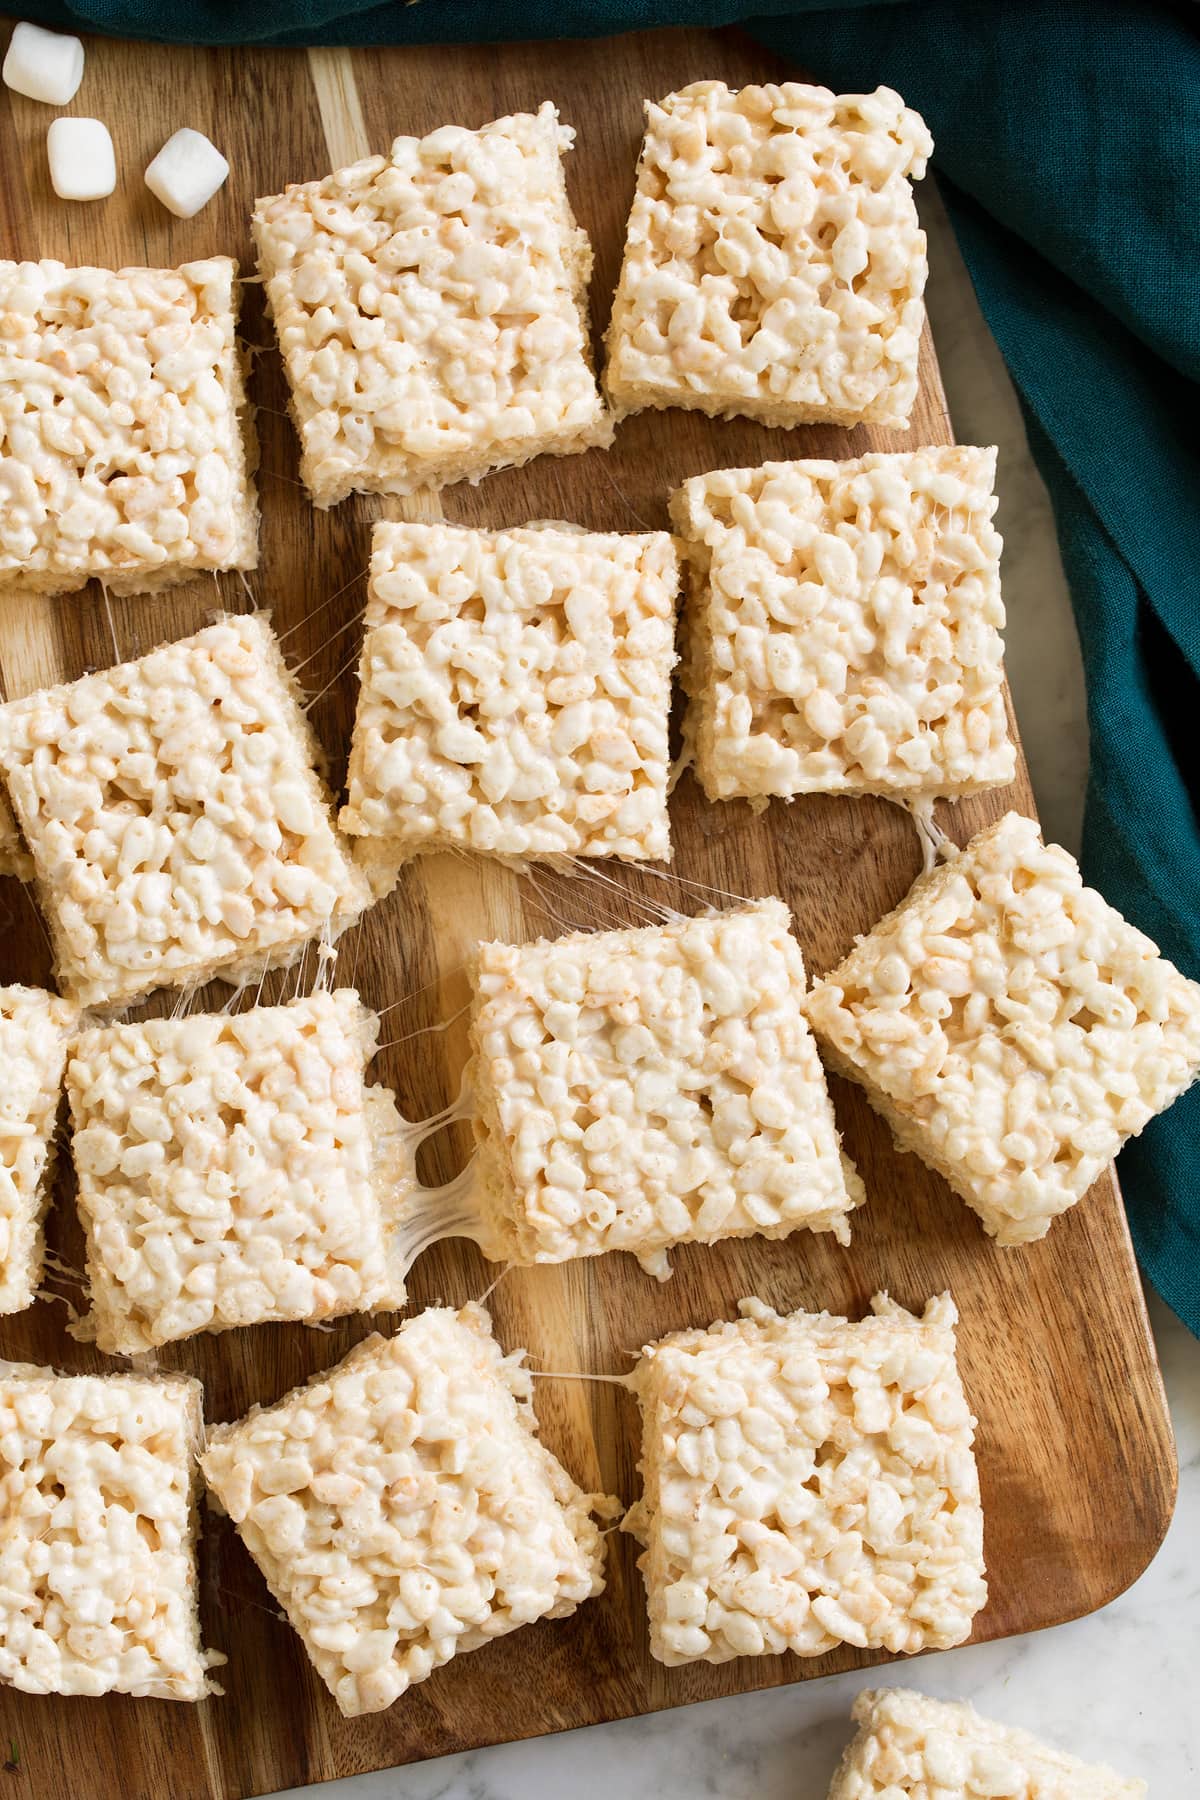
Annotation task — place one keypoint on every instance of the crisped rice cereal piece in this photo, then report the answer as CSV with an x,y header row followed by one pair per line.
x,y
808,1482
431,309
773,261
909,1747
34,1030
126,447
844,627
1011,1027
98,1534
234,1168
178,826
402,1508
515,693
638,1089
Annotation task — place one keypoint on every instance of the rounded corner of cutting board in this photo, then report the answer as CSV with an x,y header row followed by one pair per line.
x,y
1154,1518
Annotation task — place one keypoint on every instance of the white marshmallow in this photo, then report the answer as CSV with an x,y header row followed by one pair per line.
x,y
186,173
43,65
83,163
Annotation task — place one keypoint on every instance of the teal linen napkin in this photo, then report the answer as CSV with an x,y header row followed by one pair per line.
x,y
1068,150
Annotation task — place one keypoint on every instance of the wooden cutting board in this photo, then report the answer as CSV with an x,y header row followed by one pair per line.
x,y
1074,1444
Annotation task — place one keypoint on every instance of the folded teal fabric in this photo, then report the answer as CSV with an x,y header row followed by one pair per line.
x,y
1068,149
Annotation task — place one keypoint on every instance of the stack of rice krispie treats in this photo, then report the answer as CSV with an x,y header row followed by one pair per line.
x,y
807,1480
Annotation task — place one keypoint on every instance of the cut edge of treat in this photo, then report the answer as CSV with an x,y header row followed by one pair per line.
x,y
23,1271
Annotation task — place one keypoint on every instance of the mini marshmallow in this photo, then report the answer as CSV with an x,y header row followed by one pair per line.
x,y
83,164
43,65
186,173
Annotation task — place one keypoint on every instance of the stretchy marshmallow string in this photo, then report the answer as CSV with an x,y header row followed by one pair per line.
x,y
935,845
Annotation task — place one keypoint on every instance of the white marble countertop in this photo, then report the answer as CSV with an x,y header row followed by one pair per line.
x,y
1119,1686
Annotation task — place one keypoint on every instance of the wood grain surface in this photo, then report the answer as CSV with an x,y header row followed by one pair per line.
x,y
1074,1444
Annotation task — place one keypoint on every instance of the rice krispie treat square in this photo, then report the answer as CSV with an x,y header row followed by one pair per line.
x,y
125,438
431,310
34,1031
808,1482
773,261
98,1534
844,627
910,1747
515,695
638,1089
234,1168
402,1509
1011,1027
178,826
